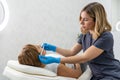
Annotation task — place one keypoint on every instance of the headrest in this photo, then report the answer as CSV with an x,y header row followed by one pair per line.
x,y
14,64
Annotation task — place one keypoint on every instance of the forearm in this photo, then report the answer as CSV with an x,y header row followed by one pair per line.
x,y
91,53
64,52
75,59
68,72
71,52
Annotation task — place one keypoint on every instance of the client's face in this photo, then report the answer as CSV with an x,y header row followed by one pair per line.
x,y
40,49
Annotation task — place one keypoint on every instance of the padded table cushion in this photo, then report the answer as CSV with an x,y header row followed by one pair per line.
x,y
29,69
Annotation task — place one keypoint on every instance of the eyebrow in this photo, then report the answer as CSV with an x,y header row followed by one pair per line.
x,y
85,18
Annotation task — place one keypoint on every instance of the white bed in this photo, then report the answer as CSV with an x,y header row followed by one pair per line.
x,y
16,71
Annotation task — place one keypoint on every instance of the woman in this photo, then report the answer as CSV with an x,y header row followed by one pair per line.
x,y
29,56
96,41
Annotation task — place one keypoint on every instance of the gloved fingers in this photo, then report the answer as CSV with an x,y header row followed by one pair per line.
x,y
43,45
43,61
48,59
49,47
42,57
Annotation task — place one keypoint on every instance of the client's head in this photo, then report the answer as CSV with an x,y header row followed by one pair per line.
x,y
29,55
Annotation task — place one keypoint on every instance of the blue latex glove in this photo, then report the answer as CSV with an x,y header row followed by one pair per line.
x,y
48,59
49,47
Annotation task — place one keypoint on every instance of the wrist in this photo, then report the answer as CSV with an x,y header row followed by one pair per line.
x,y
54,48
58,60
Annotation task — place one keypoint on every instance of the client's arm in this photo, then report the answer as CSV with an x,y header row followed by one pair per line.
x,y
68,72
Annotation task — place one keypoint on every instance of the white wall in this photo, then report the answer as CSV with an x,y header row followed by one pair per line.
x,y
37,21
115,19
115,12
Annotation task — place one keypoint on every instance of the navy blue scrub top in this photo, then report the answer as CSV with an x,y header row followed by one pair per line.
x,y
104,65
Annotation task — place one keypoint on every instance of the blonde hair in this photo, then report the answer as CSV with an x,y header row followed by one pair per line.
x,y
29,56
96,11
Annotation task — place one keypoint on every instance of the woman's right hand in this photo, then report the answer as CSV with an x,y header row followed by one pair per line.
x,y
49,47
48,59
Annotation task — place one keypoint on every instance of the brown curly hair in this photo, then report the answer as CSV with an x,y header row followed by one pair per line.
x,y
29,56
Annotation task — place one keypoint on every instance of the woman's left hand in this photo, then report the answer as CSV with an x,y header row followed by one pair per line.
x,y
48,59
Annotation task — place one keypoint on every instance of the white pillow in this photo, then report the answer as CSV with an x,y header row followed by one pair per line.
x,y
29,69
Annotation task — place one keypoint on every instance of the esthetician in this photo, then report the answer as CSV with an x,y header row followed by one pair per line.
x,y
96,41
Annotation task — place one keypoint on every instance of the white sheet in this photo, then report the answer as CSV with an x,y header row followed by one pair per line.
x,y
16,75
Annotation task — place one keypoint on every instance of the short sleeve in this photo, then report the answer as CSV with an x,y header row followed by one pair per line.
x,y
104,42
80,39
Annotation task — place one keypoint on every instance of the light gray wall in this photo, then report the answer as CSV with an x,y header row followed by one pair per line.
x,y
115,12
115,18
37,21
